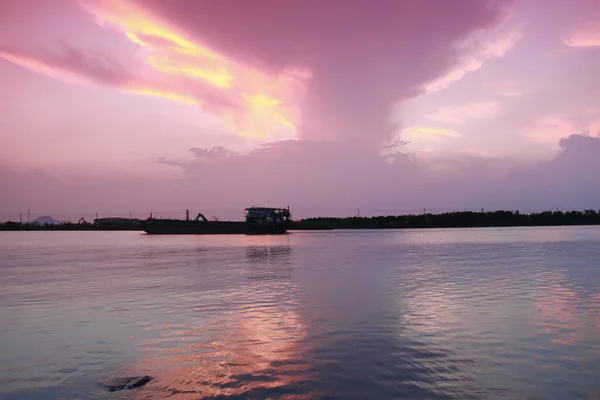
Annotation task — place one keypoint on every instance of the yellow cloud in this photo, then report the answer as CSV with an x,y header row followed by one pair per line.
x,y
166,95
249,101
425,132
218,76
135,22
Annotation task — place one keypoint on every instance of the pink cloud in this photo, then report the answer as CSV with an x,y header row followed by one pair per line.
x,y
163,77
72,65
594,128
507,88
550,129
341,101
417,132
586,36
466,112
259,86
214,153
592,111
360,179
474,53
427,140
255,104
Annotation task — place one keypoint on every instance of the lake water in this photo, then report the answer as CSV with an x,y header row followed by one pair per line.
x,y
438,314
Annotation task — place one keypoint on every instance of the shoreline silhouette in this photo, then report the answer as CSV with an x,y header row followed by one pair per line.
x,y
458,219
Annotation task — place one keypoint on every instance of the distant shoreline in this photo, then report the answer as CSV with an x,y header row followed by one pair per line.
x,y
463,219
467,219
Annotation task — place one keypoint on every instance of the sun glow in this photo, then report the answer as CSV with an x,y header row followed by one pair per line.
x,y
251,102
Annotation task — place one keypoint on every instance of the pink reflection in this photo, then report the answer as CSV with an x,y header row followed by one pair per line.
x,y
563,319
251,346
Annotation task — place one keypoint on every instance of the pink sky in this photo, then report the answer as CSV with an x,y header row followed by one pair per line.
x,y
392,106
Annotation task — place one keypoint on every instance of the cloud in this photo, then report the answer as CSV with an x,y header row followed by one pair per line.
x,y
70,64
414,132
466,112
247,100
594,128
214,153
586,36
339,79
507,88
253,103
550,129
592,111
300,70
474,53
426,139
566,179
165,94
578,148
356,178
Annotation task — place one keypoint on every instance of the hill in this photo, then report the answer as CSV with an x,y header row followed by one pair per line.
x,y
46,220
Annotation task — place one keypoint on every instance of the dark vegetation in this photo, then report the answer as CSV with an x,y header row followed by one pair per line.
x,y
121,224
465,219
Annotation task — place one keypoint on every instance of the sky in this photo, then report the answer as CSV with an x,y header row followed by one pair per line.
x,y
387,106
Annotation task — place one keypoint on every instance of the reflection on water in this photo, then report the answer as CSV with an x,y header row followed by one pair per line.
x,y
268,254
255,350
484,313
269,262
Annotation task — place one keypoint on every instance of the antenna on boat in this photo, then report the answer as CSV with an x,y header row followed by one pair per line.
x,y
187,215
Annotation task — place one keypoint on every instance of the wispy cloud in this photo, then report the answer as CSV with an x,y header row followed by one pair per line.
x,y
71,64
165,94
420,139
466,112
475,53
253,103
507,88
428,133
594,128
214,153
586,36
550,129
592,111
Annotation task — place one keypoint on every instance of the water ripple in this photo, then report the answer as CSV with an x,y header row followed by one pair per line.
x,y
437,314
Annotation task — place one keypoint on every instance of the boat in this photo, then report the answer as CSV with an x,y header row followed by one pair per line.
x,y
258,220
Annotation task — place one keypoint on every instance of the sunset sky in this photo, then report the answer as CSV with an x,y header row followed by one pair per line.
x,y
392,106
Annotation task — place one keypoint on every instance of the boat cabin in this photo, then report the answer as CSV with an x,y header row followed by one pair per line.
x,y
267,215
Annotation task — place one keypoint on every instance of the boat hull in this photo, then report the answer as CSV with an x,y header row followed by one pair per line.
x,y
178,227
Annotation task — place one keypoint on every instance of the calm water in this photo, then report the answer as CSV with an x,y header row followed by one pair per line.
x,y
448,314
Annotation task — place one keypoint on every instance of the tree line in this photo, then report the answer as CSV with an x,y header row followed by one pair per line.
x,y
460,219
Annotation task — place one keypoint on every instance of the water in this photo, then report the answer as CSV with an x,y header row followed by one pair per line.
x,y
439,314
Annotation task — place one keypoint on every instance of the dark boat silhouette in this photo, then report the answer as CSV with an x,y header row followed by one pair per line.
x,y
259,220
